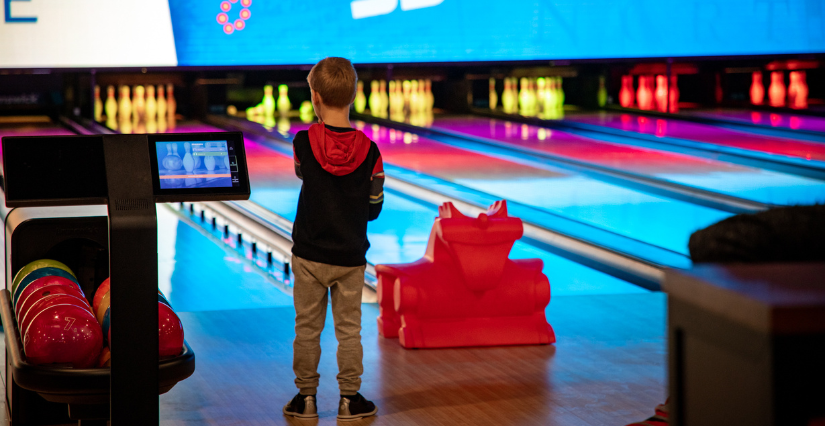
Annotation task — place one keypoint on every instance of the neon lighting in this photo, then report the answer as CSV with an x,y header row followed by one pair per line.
x,y
245,14
222,18
228,28
239,24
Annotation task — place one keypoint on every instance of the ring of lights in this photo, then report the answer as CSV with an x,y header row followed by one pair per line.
x,y
243,15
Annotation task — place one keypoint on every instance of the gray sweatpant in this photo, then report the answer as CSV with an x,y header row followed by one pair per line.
x,y
313,282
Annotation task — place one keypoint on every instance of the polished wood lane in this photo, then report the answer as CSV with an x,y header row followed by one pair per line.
x,y
608,368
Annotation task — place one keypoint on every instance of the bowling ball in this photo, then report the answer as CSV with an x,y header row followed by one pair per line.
x,y
105,359
164,300
102,289
37,264
170,332
102,307
26,304
40,273
106,325
63,334
44,302
41,282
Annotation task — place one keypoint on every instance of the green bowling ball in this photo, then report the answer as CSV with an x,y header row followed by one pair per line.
x,y
37,264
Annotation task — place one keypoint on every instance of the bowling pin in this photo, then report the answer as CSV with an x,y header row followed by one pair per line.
x,y
125,104
161,104
391,95
800,97
171,105
111,104
601,93
360,102
560,93
428,95
673,94
505,96
98,112
209,160
776,91
151,104
151,125
493,96
757,91
626,97
383,99
661,93
283,100
188,161
644,94
139,105
268,101
407,92
374,99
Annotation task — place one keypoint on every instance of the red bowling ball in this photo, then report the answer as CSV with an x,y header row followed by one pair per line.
x,y
48,290
99,293
63,334
50,281
43,303
170,332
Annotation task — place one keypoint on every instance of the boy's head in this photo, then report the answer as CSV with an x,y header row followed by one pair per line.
x,y
335,80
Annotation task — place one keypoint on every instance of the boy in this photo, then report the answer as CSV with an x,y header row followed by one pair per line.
x,y
342,190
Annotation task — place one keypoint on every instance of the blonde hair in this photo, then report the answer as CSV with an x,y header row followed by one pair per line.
x,y
335,80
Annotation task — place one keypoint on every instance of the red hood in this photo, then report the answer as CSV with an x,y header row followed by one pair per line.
x,y
338,153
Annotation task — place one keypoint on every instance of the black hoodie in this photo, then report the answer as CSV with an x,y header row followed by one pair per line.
x,y
343,189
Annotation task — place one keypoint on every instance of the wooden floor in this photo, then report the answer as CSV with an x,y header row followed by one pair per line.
x,y
608,368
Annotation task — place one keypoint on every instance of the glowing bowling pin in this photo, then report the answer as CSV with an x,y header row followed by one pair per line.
x,y
626,97
111,104
798,90
493,96
360,102
268,101
283,100
757,91
428,94
601,94
661,93
374,99
98,112
673,93
161,104
644,94
383,98
171,105
523,96
776,91
125,104
139,104
151,104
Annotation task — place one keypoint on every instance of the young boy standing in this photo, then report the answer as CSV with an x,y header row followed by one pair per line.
x,y
343,184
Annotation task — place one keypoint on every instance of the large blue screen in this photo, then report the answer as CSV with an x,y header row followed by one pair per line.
x,y
385,31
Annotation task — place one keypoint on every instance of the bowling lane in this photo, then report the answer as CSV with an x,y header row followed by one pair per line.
x,y
782,120
746,182
199,273
654,220
400,234
673,128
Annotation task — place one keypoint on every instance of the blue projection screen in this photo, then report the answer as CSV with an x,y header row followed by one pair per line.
x,y
386,31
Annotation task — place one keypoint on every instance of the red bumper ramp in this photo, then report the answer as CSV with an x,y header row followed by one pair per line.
x,y
465,291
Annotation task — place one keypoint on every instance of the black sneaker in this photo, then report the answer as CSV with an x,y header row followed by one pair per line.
x,y
355,407
302,406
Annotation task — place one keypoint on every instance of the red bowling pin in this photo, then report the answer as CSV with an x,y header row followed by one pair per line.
x,y
673,93
798,91
626,97
644,94
777,92
757,88
661,93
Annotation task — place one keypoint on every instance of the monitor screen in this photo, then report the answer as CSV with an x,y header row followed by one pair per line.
x,y
197,164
